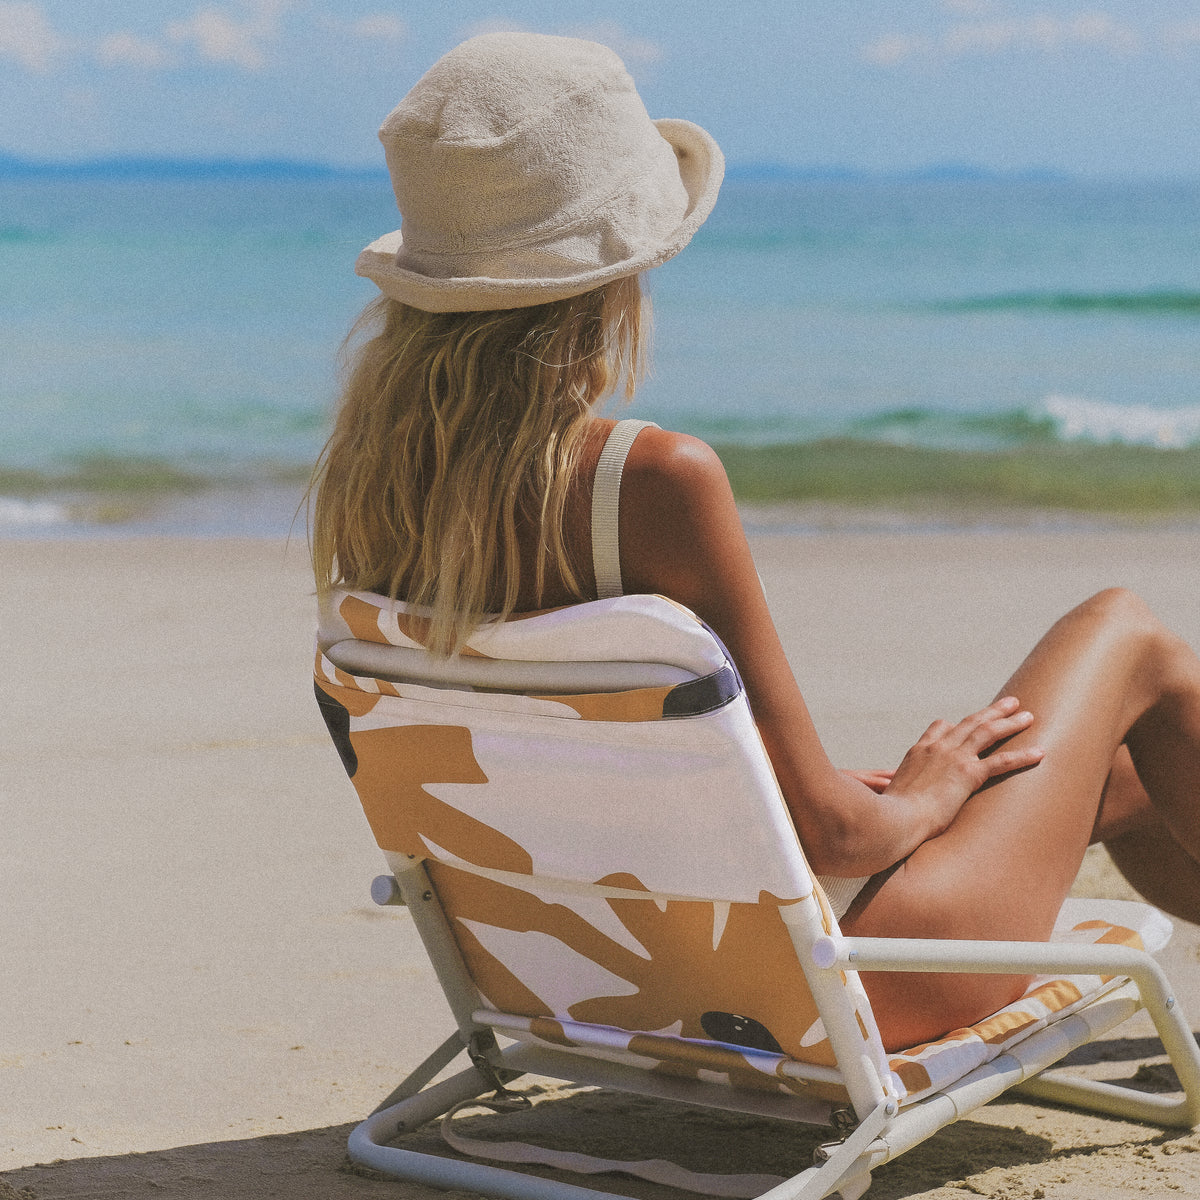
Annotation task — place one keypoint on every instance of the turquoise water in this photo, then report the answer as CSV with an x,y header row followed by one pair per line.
x,y
174,336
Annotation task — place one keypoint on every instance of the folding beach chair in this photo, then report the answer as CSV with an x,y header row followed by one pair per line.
x,y
581,818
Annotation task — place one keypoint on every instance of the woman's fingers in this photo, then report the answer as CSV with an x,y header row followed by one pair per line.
x,y
991,732
975,735
1004,761
998,709
1001,719
981,728
950,763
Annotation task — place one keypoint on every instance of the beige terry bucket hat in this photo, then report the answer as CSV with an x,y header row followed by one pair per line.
x,y
526,169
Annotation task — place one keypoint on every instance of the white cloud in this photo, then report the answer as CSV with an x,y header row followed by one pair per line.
x,y
1043,33
1040,34
226,39
27,36
382,27
1182,36
493,25
894,48
130,50
631,48
635,51
219,37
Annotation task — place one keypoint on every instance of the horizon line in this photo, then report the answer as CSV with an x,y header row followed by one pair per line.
x,y
144,166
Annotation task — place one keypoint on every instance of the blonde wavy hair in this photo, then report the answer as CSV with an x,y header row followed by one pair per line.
x,y
454,429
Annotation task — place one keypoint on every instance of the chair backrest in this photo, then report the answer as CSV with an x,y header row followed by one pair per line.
x,y
604,832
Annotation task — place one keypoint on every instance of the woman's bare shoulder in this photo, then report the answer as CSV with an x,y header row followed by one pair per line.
x,y
677,471
661,457
681,534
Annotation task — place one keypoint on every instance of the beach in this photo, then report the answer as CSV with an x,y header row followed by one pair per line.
x,y
940,329
200,998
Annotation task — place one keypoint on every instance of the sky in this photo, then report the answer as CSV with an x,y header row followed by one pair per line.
x,y
1110,87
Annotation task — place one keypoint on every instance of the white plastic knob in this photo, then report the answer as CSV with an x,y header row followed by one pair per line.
x,y
385,890
825,952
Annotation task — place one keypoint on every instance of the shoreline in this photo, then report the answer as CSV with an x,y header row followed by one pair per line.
x,y
866,485
271,510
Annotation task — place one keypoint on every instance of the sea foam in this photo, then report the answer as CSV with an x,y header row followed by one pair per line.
x,y
1077,418
17,512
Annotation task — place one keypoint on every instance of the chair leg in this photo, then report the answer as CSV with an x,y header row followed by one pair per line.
x,y
844,1170
415,1081
367,1147
1118,1100
852,1185
1114,1100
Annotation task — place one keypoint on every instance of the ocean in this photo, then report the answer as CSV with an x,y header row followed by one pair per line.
x,y
168,343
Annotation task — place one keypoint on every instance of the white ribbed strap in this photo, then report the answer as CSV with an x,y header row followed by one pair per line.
x,y
841,892
656,1170
606,507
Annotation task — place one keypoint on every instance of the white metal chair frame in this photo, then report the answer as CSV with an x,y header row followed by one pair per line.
x,y
885,1129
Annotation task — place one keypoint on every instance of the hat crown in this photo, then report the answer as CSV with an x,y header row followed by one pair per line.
x,y
489,86
512,138
526,169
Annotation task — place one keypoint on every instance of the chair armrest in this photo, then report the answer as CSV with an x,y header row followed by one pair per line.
x,y
998,958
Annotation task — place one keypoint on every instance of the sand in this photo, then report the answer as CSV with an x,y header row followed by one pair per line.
x,y
198,997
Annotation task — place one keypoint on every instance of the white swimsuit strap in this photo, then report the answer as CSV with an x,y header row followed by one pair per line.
x,y
606,506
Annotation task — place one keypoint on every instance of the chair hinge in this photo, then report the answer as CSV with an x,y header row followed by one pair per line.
x,y
485,1058
844,1123
843,1120
847,1124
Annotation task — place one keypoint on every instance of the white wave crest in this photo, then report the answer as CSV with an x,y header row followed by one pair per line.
x,y
14,511
1080,419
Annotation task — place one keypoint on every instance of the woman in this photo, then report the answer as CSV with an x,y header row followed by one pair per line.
x,y
534,189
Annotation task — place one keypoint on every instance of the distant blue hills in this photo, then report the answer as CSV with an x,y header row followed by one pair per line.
x,y
932,173
145,167
131,167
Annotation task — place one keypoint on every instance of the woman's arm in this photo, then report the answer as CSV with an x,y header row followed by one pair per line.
x,y
681,536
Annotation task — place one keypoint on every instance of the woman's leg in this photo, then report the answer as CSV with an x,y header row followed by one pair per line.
x,y
1106,672
1141,845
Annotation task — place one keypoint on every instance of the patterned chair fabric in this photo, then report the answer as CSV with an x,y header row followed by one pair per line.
x,y
618,867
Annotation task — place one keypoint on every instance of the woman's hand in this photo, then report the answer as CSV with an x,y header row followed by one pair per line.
x,y
951,762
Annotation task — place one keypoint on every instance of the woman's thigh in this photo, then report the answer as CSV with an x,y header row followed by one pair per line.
x,y
1004,865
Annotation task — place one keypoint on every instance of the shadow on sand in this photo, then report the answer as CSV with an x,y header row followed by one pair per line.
x,y
312,1164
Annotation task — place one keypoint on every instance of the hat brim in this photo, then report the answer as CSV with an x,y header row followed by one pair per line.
x,y
701,169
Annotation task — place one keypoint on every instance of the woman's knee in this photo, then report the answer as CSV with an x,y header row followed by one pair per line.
x,y
1120,614
1140,658
1120,607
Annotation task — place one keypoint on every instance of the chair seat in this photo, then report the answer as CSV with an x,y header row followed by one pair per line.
x,y
931,1066
918,1072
